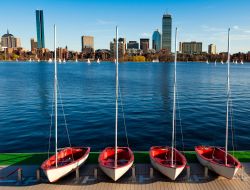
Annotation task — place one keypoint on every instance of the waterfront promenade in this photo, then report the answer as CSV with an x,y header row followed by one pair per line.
x,y
90,177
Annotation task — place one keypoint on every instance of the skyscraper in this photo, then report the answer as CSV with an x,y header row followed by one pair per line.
x,y
87,43
212,49
40,29
33,44
18,42
144,44
121,47
156,40
88,47
166,31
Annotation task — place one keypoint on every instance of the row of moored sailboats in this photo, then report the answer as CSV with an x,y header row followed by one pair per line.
x,y
62,61
116,161
234,61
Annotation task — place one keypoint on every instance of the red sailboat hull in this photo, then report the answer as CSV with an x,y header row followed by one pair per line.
x,y
68,160
214,158
160,157
125,159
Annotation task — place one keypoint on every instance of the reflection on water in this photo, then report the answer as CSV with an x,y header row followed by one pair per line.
x,y
88,94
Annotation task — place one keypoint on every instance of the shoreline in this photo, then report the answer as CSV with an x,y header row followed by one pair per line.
x,y
83,61
140,157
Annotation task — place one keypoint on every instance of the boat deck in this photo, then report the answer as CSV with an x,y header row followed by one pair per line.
x,y
141,177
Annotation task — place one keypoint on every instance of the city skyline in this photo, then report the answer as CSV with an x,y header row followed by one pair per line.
x,y
208,23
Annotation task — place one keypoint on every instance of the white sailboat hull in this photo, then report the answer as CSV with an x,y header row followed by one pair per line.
x,y
55,174
170,172
222,170
116,173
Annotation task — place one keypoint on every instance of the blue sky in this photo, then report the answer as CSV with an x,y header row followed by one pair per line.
x,y
197,20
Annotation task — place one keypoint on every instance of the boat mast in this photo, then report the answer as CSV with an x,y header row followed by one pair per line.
x,y
174,102
55,91
116,98
228,93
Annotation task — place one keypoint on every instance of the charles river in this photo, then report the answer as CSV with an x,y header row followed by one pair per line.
x,y
88,96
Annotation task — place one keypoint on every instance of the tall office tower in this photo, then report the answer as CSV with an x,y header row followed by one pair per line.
x,y
156,40
87,44
166,31
144,44
18,42
121,47
40,29
33,44
123,42
212,49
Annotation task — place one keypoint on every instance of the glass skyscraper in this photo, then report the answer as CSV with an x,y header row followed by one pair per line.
x,y
40,29
156,40
166,31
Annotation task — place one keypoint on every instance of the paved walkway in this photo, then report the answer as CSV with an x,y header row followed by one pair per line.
x,y
145,178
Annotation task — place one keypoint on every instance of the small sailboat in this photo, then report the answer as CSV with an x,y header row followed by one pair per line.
x,y
215,62
236,62
30,60
64,61
59,61
88,61
241,62
67,159
38,60
216,158
16,60
98,61
50,60
155,61
222,62
168,160
116,161
76,60
207,62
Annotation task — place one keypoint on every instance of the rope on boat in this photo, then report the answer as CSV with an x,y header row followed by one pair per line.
x,y
179,115
175,157
232,126
51,122
123,113
65,121
11,173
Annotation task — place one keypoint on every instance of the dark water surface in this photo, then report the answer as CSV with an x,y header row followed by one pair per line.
x,y
88,94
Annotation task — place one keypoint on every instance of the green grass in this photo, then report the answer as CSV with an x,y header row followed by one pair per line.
x,y
140,157
22,158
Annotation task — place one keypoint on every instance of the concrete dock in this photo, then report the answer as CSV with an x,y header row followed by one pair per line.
x,y
142,176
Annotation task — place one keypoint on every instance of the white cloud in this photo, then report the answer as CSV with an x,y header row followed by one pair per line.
x,y
104,22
